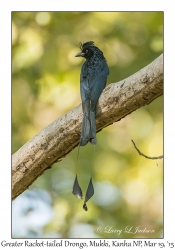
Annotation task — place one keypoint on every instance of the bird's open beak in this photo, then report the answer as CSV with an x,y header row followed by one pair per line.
x,y
80,54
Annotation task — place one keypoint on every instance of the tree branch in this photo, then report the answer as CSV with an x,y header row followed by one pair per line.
x,y
148,157
56,140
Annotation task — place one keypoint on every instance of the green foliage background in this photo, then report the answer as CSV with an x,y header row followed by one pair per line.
x,y
45,85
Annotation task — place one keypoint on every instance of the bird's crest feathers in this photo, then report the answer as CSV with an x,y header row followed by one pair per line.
x,y
86,45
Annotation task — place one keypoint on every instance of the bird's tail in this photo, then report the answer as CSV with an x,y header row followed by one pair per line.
x,y
88,129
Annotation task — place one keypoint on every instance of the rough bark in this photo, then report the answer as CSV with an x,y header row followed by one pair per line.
x,y
56,140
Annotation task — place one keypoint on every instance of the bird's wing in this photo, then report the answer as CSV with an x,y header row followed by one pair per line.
x,y
97,83
84,83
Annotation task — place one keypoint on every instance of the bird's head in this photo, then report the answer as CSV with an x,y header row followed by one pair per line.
x,y
86,50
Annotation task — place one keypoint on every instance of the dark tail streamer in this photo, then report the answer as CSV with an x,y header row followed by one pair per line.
x,y
90,189
89,194
77,189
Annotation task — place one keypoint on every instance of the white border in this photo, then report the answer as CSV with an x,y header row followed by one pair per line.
x,y
5,94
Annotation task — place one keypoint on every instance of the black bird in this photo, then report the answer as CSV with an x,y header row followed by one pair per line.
x,y
93,78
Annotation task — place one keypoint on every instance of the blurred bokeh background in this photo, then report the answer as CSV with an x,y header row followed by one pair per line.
x,y
45,85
